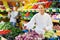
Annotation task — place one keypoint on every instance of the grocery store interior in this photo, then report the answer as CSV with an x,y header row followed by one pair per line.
x,y
27,9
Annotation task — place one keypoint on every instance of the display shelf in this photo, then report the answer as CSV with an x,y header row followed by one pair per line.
x,y
37,10
47,10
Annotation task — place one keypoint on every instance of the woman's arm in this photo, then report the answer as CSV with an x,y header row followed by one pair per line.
x,y
30,24
9,15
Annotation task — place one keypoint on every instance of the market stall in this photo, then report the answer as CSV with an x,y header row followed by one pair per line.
x,y
27,9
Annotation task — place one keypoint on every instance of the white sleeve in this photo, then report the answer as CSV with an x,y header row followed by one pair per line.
x,y
30,24
9,15
49,24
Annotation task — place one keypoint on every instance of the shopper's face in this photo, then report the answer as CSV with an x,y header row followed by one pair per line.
x,y
41,8
14,8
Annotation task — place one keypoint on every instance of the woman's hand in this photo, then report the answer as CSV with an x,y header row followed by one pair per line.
x,y
45,29
25,28
41,36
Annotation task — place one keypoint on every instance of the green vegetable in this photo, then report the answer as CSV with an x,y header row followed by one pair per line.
x,y
14,31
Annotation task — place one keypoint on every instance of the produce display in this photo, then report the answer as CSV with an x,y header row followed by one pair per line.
x,y
56,16
13,31
32,35
6,5
28,8
49,34
29,36
27,15
27,4
0,16
58,32
35,6
4,32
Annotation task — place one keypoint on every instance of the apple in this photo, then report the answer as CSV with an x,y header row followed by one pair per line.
x,y
27,14
35,7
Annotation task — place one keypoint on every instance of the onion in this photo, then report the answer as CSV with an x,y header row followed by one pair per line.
x,y
28,36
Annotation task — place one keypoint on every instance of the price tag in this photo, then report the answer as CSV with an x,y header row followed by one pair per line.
x,y
53,10
47,10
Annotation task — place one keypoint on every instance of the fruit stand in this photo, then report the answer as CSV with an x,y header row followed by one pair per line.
x,y
28,8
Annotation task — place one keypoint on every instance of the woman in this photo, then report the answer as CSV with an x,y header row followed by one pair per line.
x,y
13,15
43,21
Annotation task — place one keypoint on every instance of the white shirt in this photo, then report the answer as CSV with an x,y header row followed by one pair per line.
x,y
42,21
13,16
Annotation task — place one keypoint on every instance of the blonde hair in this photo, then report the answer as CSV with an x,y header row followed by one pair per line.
x,y
14,8
42,5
